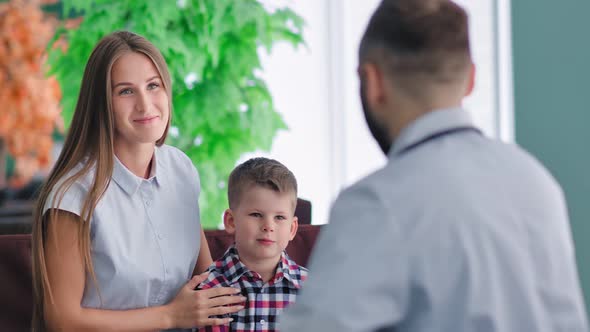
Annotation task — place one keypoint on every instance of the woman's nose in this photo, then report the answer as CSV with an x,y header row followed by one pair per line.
x,y
141,103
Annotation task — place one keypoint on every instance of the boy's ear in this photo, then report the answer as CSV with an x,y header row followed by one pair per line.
x,y
229,222
294,226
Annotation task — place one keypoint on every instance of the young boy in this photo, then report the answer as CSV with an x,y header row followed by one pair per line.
x,y
262,195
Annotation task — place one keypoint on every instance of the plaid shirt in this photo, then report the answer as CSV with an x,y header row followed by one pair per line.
x,y
265,301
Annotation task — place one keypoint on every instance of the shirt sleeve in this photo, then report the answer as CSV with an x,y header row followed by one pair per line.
x,y
357,273
191,171
72,200
218,328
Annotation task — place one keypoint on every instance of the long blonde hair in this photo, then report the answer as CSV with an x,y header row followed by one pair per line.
x,y
89,143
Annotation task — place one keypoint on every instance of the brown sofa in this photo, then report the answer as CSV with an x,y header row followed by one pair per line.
x,y
15,270
16,215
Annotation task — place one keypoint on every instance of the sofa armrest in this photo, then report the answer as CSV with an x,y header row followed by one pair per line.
x,y
16,301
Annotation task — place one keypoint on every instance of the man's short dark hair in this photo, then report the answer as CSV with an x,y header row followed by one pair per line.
x,y
426,38
264,172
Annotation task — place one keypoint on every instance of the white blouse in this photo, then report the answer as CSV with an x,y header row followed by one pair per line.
x,y
145,233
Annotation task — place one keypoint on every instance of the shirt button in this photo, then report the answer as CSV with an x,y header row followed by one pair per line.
x,y
262,322
160,236
147,203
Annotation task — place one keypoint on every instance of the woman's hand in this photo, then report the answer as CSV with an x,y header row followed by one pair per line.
x,y
192,308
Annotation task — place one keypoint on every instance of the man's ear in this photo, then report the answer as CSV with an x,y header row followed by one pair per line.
x,y
374,84
229,222
471,78
294,227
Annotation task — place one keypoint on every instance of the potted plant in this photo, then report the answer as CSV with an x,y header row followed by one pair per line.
x,y
30,109
222,107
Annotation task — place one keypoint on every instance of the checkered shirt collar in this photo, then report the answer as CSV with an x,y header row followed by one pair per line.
x,y
234,269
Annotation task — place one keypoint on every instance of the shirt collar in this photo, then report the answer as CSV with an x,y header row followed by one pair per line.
x,y
130,182
287,267
234,269
431,124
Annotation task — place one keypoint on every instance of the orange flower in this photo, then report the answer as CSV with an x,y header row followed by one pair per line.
x,y
30,109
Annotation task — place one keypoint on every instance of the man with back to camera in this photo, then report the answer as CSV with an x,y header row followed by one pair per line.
x,y
457,232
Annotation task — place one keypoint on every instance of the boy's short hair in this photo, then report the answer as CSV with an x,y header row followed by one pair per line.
x,y
264,172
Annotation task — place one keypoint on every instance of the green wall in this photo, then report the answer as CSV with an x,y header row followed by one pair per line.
x,y
551,44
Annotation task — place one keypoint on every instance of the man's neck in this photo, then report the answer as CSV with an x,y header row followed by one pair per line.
x,y
409,112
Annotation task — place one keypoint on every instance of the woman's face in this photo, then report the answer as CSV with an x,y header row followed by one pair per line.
x,y
140,101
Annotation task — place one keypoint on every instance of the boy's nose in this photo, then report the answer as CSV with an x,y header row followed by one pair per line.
x,y
268,226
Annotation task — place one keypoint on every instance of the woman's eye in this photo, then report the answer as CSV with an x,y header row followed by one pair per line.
x,y
124,92
153,86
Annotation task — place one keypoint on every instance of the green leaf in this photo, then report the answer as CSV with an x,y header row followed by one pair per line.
x,y
227,111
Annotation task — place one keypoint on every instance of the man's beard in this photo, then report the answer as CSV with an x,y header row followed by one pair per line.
x,y
377,130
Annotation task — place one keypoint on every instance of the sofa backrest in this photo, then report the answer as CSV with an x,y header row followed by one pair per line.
x,y
298,249
16,217
16,294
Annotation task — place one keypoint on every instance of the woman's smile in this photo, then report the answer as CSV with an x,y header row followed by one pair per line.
x,y
146,119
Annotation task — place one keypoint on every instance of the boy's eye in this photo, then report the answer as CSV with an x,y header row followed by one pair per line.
x,y
281,218
255,214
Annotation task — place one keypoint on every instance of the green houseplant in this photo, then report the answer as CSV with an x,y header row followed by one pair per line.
x,y
222,108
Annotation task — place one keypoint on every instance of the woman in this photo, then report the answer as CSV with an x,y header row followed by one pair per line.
x,y
115,236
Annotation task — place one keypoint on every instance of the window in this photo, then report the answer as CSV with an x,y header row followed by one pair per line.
x,y
328,145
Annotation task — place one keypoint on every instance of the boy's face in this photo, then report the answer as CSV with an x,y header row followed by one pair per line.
x,y
263,223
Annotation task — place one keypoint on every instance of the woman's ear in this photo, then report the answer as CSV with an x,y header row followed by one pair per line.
x,y
229,222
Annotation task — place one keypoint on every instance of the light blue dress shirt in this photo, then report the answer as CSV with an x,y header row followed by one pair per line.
x,y
456,233
145,233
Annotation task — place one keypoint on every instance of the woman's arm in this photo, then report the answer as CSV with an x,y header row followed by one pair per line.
x,y
204,260
66,275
